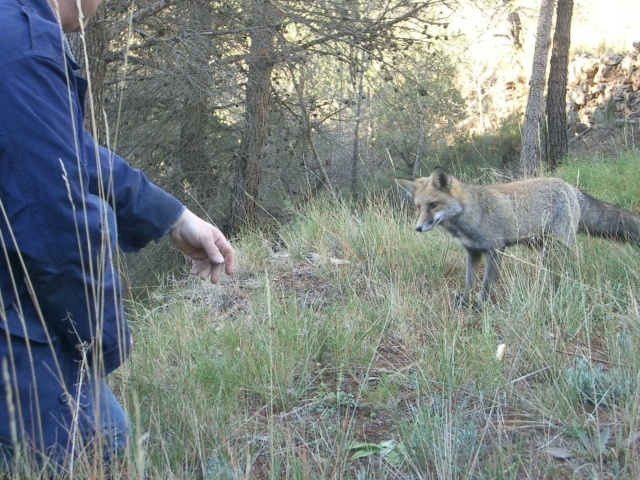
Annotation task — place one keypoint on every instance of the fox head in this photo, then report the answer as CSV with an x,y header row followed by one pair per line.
x,y
435,197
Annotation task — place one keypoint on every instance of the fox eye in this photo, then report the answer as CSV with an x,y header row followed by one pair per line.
x,y
432,205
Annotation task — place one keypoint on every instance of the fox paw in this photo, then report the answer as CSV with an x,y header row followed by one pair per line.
x,y
459,300
462,301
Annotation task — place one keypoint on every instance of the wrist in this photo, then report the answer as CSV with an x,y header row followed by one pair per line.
x,y
179,220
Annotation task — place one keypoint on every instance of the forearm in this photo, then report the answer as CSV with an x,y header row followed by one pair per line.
x,y
144,212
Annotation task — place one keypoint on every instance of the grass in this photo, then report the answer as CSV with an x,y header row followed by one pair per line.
x,y
334,352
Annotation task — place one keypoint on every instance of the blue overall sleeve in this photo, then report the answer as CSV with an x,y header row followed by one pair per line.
x,y
144,211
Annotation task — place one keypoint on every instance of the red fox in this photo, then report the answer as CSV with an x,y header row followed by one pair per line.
x,y
485,220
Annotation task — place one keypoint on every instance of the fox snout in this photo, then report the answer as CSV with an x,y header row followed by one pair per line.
x,y
427,220
425,227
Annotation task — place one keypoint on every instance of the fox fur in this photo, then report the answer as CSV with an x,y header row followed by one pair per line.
x,y
486,219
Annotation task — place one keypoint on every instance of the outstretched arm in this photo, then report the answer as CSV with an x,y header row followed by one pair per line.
x,y
204,244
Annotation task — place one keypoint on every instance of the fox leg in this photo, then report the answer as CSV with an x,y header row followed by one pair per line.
x,y
493,257
474,257
556,256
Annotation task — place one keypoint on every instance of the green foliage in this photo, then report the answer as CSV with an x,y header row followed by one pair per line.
x,y
416,109
592,383
389,450
613,180
592,442
472,156
445,436
335,352
499,148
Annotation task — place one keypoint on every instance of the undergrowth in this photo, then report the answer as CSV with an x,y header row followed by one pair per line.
x,y
335,352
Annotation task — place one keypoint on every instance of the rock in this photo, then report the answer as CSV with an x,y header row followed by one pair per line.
x,y
635,81
577,95
627,65
603,89
611,60
604,72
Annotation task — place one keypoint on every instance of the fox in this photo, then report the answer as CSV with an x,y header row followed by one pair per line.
x,y
486,219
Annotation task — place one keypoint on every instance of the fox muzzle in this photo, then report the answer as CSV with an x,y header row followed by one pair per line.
x,y
426,225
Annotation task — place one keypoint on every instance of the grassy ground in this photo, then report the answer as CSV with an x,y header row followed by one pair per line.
x,y
334,352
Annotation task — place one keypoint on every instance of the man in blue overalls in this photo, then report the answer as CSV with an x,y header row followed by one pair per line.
x,y
63,203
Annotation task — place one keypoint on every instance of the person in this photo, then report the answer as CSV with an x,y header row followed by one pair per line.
x,y
64,201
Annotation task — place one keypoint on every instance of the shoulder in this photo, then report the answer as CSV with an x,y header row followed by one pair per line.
x,y
554,184
26,33
536,182
533,187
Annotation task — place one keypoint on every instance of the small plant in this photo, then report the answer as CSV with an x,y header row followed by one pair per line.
x,y
445,436
594,444
334,400
593,384
593,441
217,468
389,450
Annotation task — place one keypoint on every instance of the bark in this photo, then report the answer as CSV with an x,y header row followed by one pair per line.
x,y
355,155
262,58
195,164
97,49
530,155
357,72
557,89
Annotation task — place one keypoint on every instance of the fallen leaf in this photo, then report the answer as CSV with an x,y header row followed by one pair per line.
x,y
559,452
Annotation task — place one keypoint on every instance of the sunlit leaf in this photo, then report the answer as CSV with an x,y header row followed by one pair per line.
x,y
559,452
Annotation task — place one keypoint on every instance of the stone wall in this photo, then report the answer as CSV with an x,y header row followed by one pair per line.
x,y
603,89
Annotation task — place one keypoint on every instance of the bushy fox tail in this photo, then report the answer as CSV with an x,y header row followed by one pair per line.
x,y
602,219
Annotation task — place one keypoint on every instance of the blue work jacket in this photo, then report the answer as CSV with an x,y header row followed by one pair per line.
x,y
59,194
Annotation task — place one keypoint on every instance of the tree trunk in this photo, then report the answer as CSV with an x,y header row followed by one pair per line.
x,y
530,155
95,66
355,155
195,165
262,58
417,163
557,89
322,178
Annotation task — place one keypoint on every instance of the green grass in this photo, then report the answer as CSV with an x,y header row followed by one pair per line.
x,y
339,333
334,352
614,180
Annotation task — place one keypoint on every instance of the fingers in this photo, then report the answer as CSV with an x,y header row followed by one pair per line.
x,y
221,254
202,268
196,267
229,256
216,272
208,248
207,269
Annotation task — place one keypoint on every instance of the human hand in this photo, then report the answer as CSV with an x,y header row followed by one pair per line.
x,y
204,244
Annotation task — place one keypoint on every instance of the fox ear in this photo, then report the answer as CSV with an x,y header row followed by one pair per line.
x,y
407,184
441,179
